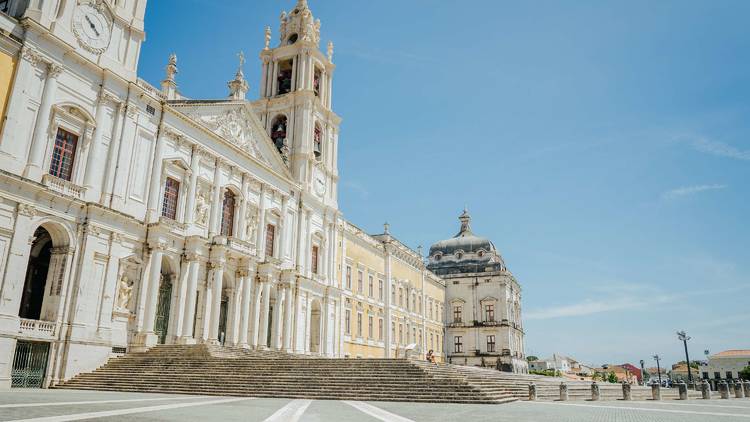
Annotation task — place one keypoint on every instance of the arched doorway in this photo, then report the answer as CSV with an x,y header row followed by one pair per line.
x,y
36,275
163,307
315,312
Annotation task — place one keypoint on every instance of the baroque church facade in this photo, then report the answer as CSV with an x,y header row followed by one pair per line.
x,y
132,216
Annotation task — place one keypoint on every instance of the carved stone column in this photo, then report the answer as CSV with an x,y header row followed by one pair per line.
x,y
257,304
155,183
288,315
217,277
278,323
264,308
194,170
215,220
92,179
188,322
148,338
39,139
246,285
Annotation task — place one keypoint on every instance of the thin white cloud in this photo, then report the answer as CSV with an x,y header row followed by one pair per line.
x,y
357,188
720,149
588,307
689,190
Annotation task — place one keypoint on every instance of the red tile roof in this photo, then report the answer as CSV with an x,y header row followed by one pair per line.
x,y
733,353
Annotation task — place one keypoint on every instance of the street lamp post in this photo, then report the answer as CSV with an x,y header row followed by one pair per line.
x,y
684,339
658,368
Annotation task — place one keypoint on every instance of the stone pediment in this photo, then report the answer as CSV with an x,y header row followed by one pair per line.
x,y
236,124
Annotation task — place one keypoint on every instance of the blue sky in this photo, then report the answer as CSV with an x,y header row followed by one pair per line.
x,y
603,146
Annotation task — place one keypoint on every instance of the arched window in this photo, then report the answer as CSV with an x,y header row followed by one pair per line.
x,y
292,39
318,142
227,213
278,131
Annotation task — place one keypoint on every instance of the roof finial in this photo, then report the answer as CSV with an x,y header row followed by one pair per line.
x,y
168,85
238,87
386,228
330,51
268,38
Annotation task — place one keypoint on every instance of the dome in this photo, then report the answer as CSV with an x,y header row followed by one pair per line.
x,y
464,252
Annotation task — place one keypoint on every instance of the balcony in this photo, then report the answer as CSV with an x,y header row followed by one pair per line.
x,y
35,329
62,186
241,246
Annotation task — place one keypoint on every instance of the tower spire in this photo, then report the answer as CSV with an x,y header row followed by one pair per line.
x,y
169,85
465,219
238,87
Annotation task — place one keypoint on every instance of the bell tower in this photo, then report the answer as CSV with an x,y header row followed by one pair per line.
x,y
295,103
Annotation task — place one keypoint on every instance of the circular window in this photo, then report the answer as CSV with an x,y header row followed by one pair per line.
x,y
480,253
438,257
459,255
292,39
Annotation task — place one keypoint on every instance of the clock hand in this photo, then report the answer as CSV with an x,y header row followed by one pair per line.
x,y
91,24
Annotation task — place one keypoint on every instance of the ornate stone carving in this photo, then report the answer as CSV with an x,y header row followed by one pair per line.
x,y
234,126
27,210
268,38
31,55
202,205
124,293
330,51
251,223
54,70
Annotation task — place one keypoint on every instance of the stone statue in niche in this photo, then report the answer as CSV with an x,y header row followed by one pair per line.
x,y
201,207
124,292
251,217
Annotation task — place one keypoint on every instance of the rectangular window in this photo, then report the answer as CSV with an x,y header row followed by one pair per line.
x,y
393,294
359,324
380,289
348,277
456,314
360,280
393,332
717,375
458,346
489,313
171,194
370,330
63,155
270,237
227,214
400,297
371,287
314,258
729,375
400,333
348,322
430,308
490,343
380,329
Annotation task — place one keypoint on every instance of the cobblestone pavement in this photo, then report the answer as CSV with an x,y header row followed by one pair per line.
x,y
66,405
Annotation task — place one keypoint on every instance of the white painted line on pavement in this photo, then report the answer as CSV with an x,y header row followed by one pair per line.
x,y
376,412
292,412
699,403
645,409
92,415
68,403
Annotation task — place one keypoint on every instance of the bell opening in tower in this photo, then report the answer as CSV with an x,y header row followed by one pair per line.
x,y
292,39
278,131
316,82
318,143
285,77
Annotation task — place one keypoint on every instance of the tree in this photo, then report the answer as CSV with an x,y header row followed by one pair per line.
x,y
745,373
612,377
531,358
693,364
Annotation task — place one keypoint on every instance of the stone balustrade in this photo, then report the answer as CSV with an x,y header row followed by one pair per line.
x,y
32,328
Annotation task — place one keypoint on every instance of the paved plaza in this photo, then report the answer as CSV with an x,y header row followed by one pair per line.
x,y
55,405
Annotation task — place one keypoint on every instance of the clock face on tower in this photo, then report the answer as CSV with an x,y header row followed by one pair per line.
x,y
319,182
92,28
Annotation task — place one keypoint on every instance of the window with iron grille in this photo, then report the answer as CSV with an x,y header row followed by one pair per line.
x,y
359,324
270,237
318,141
380,329
314,258
457,314
491,343
489,313
458,346
171,194
380,289
63,155
360,278
370,286
227,213
370,331
348,322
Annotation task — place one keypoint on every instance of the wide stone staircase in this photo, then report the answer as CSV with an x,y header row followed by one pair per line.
x,y
213,370
548,388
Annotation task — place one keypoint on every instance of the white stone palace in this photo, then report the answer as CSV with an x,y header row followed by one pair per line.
x,y
132,216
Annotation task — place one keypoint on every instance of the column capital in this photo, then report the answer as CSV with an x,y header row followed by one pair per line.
x,y
54,70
